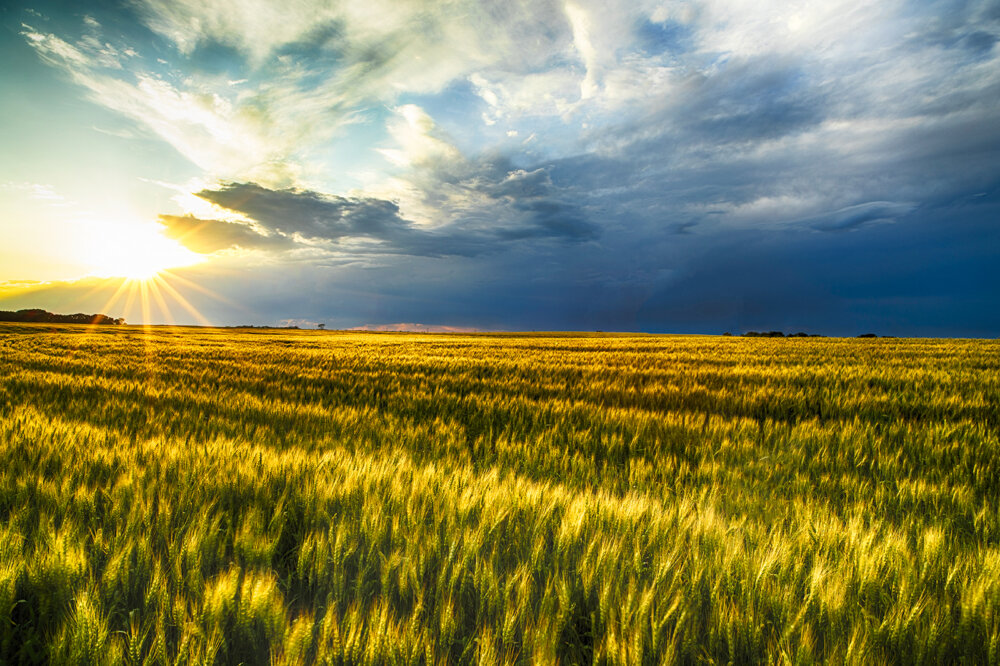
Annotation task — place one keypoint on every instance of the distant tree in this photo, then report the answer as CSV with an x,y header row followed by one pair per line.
x,y
321,326
769,334
867,335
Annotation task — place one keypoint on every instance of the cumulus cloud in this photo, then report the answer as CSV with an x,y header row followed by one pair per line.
x,y
485,194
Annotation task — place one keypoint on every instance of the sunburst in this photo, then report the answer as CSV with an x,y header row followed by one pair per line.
x,y
157,298
135,250
137,262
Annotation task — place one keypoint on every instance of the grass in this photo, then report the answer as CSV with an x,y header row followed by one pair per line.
x,y
207,496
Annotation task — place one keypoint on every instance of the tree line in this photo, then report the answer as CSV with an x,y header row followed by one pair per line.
x,y
43,316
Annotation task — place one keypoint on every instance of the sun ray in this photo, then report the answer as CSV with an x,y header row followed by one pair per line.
x,y
110,302
147,301
183,302
102,285
164,274
161,303
132,293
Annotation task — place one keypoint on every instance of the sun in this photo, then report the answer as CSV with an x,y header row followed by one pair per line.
x,y
135,261
133,268
136,252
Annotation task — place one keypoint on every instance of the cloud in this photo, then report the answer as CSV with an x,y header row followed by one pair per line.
x,y
551,219
306,71
854,217
580,21
485,194
443,204
208,236
37,191
933,275
215,131
677,82
287,217
308,214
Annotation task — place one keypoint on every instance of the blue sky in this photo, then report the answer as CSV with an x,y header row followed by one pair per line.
x,y
662,166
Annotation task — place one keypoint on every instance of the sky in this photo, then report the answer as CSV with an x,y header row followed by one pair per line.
x,y
664,166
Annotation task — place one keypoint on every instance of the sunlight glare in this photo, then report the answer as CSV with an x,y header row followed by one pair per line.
x,y
136,251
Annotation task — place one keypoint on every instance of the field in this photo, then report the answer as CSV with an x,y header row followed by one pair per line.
x,y
224,496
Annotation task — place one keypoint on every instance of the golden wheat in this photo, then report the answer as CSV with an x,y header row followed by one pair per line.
x,y
227,496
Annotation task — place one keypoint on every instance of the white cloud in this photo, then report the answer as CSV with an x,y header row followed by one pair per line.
x,y
774,209
580,21
417,146
37,191
54,50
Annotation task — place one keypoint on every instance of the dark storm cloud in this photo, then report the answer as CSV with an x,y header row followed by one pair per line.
x,y
316,217
310,214
548,212
933,279
551,219
752,100
935,271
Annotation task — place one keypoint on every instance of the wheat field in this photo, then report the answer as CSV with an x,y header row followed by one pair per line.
x,y
197,496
